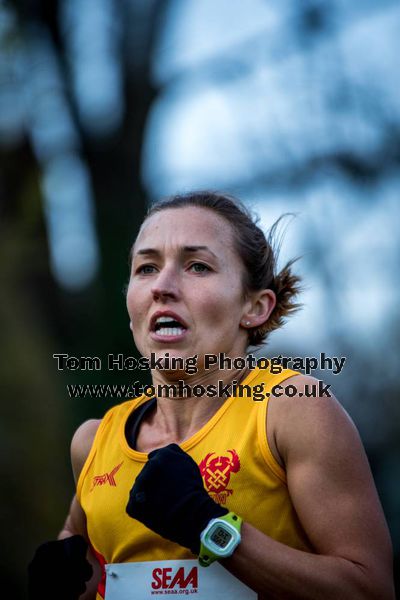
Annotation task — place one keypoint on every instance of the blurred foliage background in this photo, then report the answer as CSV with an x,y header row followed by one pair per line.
x,y
106,105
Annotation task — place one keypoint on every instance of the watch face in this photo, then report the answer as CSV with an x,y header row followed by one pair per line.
x,y
221,537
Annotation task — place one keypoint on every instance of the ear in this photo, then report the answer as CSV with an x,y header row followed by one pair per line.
x,y
258,308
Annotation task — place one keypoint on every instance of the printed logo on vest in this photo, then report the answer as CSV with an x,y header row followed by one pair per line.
x,y
216,473
170,581
106,478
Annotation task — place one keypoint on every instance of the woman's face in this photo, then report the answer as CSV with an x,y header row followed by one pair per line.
x,y
185,294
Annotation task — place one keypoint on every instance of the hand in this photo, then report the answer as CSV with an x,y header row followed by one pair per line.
x,y
169,498
59,570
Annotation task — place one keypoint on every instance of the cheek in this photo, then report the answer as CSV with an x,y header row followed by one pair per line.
x,y
134,303
222,308
129,301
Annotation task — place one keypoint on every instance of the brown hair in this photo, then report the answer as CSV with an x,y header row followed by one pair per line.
x,y
257,252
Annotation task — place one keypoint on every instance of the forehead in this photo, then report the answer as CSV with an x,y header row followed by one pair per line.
x,y
191,225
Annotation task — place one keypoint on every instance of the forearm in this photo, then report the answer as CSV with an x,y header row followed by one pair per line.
x,y
276,570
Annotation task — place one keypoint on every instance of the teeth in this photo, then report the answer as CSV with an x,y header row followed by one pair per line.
x,y
164,319
170,331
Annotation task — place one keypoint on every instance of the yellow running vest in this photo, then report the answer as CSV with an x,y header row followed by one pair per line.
x,y
236,463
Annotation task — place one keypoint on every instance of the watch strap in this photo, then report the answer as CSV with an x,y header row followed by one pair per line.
x,y
206,556
233,519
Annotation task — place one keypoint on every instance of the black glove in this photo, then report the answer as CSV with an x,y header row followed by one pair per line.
x,y
59,570
169,498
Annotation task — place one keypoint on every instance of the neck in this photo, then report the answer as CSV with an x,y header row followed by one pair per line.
x,y
180,417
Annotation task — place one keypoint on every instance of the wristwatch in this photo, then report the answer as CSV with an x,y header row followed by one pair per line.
x,y
220,538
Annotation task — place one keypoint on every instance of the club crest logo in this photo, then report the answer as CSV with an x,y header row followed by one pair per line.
x,y
106,478
216,473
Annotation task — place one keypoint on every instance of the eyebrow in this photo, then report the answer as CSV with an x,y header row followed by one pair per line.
x,y
184,249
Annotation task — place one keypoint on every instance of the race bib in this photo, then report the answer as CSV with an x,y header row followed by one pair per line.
x,y
146,580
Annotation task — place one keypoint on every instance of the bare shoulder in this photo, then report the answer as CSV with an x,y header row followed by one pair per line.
x,y
81,444
313,401
304,411
329,480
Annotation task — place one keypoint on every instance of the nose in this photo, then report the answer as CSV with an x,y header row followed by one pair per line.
x,y
165,286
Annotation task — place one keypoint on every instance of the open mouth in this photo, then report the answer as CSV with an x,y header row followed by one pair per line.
x,y
167,326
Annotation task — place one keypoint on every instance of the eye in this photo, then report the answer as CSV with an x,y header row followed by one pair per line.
x,y
199,268
145,269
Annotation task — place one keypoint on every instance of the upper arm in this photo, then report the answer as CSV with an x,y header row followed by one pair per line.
x,y
80,447
76,520
81,444
330,482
